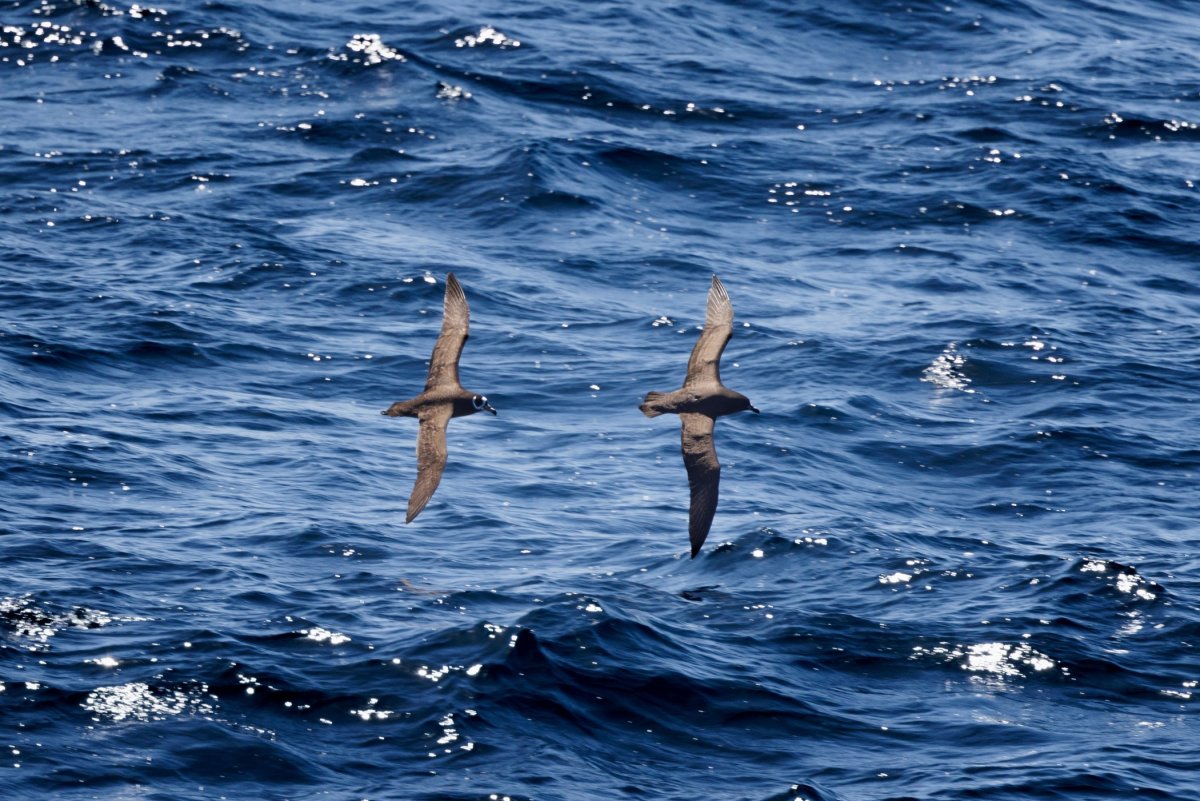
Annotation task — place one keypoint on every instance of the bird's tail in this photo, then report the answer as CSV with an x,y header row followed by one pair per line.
x,y
399,409
649,407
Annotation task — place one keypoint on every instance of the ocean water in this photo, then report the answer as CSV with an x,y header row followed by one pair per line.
x,y
957,556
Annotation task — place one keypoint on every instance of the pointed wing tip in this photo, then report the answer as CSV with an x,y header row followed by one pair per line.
x,y
718,300
454,308
414,508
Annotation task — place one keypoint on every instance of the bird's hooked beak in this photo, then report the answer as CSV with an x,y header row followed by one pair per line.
x,y
487,407
753,409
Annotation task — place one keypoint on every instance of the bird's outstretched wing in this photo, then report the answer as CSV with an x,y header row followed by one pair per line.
x,y
704,475
431,457
443,365
704,364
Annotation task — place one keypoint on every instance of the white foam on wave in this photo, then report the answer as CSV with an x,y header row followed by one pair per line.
x,y
31,622
487,36
946,371
139,701
319,634
1000,659
368,49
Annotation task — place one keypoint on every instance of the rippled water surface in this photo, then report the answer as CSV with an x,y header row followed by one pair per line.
x,y
956,556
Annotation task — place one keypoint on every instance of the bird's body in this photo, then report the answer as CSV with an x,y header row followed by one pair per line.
x,y
701,400
461,403
442,399
714,401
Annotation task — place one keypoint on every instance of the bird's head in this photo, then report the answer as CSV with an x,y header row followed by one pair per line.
x,y
481,404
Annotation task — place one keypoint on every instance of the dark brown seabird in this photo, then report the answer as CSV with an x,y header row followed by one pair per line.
x,y
442,399
699,403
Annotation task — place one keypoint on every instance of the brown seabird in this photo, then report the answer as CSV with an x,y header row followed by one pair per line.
x,y
442,399
699,403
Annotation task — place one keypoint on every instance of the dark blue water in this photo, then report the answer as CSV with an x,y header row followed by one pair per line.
x,y
957,556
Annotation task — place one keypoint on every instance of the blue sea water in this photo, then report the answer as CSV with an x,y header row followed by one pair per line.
x,y
957,556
